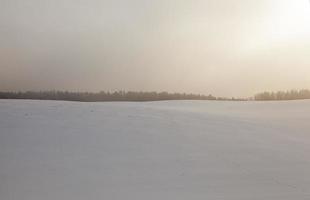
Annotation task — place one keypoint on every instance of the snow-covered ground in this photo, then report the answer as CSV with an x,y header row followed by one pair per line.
x,y
173,150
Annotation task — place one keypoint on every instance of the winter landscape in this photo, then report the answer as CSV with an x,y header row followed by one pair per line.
x,y
154,100
176,150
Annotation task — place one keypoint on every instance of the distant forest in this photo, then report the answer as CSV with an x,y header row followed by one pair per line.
x,y
147,96
283,95
107,96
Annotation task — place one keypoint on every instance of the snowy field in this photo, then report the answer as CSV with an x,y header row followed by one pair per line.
x,y
173,150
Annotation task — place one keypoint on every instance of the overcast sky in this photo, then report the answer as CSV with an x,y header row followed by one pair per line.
x,y
223,47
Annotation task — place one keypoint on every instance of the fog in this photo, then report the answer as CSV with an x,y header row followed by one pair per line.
x,y
223,47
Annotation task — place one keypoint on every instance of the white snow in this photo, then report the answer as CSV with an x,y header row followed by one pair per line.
x,y
173,150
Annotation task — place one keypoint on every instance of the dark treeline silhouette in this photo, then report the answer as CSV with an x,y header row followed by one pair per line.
x,y
283,95
107,96
147,96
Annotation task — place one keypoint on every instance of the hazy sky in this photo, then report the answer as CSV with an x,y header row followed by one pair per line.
x,y
223,47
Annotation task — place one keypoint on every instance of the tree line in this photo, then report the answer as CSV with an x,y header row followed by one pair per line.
x,y
147,96
107,96
283,95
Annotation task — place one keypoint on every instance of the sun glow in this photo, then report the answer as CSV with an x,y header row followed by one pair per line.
x,y
285,22
289,20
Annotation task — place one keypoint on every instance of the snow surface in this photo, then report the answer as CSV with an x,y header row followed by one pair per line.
x,y
173,150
